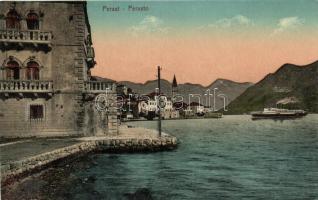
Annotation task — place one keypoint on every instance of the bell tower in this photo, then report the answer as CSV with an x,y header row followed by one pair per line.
x,y
174,86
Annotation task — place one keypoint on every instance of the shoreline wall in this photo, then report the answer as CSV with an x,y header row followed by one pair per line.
x,y
13,171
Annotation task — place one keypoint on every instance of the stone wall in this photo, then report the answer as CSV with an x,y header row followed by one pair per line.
x,y
12,171
58,116
64,63
101,122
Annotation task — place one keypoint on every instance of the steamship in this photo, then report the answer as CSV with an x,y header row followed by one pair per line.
x,y
276,113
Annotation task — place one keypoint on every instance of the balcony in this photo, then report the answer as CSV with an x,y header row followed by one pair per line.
x,y
90,54
26,86
21,37
99,87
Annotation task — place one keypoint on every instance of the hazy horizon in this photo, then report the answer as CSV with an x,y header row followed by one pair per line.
x,y
212,81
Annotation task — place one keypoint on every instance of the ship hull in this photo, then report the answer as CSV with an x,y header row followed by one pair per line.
x,y
278,116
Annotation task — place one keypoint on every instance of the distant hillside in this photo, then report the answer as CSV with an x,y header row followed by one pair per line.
x,y
230,88
97,78
290,81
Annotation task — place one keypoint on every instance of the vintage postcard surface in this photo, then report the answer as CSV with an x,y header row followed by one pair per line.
x,y
176,100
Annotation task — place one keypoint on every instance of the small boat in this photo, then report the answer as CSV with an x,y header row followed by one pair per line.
x,y
276,113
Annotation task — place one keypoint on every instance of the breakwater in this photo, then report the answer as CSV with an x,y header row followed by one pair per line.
x,y
12,171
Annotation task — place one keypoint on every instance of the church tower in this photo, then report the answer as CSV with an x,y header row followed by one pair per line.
x,y
174,87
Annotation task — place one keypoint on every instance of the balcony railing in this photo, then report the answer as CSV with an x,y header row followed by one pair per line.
x,y
23,86
26,36
90,52
98,87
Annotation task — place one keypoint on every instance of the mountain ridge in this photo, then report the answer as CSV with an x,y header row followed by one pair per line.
x,y
186,83
230,88
288,81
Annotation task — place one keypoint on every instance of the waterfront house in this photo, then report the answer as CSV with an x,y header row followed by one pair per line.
x,y
46,86
169,112
149,107
196,107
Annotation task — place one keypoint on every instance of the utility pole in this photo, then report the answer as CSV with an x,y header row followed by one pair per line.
x,y
158,105
214,99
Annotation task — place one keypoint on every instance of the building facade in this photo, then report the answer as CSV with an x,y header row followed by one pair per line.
x,y
46,55
145,107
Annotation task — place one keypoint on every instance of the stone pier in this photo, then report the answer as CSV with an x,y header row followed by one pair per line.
x,y
128,140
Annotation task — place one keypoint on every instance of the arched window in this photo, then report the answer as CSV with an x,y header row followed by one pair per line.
x,y
12,70
32,21
13,19
32,71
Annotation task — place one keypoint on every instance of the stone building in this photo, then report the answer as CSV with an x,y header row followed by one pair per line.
x,y
46,88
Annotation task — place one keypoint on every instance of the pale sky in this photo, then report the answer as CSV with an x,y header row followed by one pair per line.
x,y
201,41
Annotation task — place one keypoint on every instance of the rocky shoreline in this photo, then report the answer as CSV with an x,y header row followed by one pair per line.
x,y
14,171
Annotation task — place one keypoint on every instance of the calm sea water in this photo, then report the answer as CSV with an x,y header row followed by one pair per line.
x,y
229,158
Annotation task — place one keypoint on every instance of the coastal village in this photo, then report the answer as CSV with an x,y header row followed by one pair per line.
x,y
47,90
134,106
46,86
